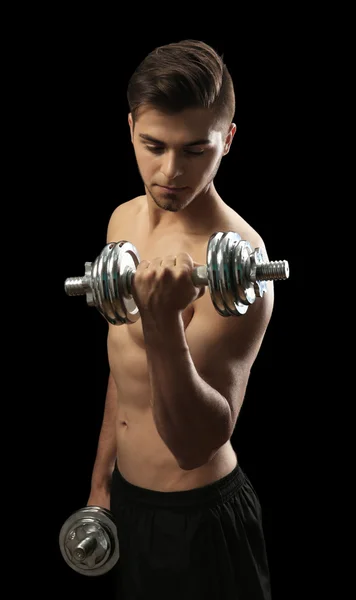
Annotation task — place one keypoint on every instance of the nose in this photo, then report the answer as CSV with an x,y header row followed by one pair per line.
x,y
171,166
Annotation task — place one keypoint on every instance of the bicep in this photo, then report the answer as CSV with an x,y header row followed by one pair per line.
x,y
224,349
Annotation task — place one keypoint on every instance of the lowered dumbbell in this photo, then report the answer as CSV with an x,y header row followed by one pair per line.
x,y
88,541
235,273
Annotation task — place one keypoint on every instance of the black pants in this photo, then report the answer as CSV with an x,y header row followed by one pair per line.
x,y
206,543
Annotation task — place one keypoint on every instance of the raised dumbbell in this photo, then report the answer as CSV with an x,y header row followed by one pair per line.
x,y
235,273
88,541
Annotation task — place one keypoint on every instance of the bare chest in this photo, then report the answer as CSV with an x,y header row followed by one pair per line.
x,y
126,346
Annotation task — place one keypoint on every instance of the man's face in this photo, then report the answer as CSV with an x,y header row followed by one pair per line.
x,y
178,155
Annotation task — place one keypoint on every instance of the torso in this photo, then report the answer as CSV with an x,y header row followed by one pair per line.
x,y
142,456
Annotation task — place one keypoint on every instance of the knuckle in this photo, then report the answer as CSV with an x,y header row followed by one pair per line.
x,y
150,274
142,266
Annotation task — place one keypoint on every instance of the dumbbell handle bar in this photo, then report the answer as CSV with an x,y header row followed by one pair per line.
x,y
269,271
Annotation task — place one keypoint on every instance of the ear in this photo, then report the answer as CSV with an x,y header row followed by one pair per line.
x,y
130,121
229,138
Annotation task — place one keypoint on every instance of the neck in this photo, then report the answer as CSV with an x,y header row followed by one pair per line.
x,y
195,215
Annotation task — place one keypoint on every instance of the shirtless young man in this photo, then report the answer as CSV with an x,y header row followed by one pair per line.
x,y
189,521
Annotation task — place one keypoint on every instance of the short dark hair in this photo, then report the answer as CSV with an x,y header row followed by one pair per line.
x,y
182,75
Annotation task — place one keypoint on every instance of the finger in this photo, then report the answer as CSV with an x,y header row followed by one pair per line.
x,y
143,265
184,260
168,261
155,264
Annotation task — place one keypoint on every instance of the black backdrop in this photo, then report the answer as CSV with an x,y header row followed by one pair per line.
x,y
90,169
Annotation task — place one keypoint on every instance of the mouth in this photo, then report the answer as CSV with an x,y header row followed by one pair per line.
x,y
172,189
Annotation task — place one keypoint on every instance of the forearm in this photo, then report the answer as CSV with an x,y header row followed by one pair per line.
x,y
191,417
107,447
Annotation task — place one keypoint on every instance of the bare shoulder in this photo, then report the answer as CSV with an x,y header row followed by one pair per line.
x,y
235,222
121,215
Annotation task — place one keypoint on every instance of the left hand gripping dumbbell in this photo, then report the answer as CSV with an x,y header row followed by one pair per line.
x,y
88,541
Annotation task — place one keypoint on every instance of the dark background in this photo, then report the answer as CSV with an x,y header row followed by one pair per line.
x,y
88,169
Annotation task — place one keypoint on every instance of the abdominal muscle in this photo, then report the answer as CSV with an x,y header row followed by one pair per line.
x,y
143,458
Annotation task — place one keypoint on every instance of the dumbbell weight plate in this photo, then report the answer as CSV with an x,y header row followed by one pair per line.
x,y
227,270
257,258
88,541
222,276
212,263
124,256
110,294
100,285
242,268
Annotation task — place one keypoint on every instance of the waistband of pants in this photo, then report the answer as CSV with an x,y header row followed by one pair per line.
x,y
217,492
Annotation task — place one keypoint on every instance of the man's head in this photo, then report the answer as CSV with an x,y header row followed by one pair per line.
x,y
182,102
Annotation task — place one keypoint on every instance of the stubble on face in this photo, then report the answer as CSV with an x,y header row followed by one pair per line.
x,y
169,202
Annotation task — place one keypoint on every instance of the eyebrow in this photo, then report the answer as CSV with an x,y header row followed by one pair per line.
x,y
149,138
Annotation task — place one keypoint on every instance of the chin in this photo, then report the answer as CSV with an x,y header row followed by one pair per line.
x,y
169,201
166,203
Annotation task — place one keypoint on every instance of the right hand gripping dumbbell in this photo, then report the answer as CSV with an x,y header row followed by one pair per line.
x,y
88,541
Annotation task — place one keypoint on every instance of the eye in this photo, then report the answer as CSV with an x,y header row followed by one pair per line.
x,y
154,149
196,152
159,149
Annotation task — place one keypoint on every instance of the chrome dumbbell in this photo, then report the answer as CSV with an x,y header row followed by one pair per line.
x,y
88,541
235,273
